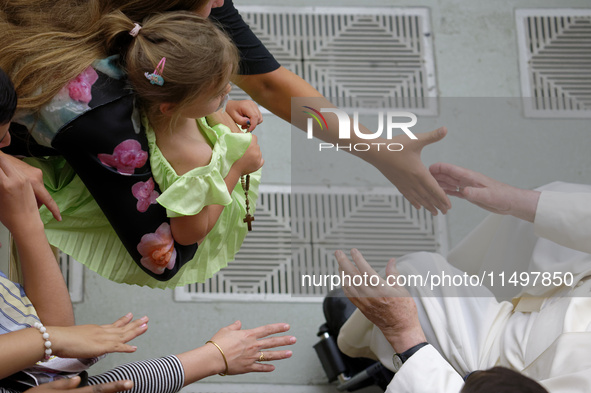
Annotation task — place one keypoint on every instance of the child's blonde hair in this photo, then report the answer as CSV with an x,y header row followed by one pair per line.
x,y
47,43
200,58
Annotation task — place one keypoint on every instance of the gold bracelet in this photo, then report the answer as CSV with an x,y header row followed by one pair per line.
x,y
224,356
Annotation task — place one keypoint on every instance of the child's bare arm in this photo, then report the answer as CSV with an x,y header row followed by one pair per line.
x,y
192,229
222,117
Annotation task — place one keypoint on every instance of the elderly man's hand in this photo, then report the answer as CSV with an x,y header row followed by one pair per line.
x,y
389,306
485,192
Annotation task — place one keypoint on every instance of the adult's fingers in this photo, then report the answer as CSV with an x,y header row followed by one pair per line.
x,y
12,166
60,384
258,367
131,331
109,387
424,198
269,356
131,328
450,171
362,264
44,198
391,268
345,264
274,342
267,330
427,138
124,320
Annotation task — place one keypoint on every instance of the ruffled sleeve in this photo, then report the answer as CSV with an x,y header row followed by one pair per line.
x,y
187,194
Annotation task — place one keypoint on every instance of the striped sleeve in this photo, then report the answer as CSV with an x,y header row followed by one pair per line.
x,y
16,310
163,375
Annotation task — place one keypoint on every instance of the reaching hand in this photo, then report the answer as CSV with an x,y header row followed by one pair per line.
x,y
387,305
243,348
35,178
246,113
407,172
86,341
487,193
71,385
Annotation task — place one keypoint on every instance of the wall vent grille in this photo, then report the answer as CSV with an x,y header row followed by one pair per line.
x,y
73,272
555,62
297,231
361,58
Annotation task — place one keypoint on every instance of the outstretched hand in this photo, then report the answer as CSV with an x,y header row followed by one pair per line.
x,y
485,192
71,385
407,172
386,304
87,341
243,348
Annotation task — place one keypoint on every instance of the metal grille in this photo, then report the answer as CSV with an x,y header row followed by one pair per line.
x,y
363,58
555,62
73,273
296,232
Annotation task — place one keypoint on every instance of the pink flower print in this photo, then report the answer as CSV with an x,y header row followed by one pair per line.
x,y
157,250
145,194
127,156
79,88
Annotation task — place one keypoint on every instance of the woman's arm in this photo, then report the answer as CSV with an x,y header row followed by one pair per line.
x,y
24,348
43,280
242,352
274,90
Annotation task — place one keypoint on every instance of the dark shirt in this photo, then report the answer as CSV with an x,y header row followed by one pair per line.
x,y
254,57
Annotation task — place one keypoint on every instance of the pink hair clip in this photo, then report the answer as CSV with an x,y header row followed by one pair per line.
x,y
155,77
134,32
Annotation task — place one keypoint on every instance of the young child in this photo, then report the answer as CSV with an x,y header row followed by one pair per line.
x,y
179,65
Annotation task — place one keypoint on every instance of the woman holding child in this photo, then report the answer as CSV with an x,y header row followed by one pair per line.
x,y
81,44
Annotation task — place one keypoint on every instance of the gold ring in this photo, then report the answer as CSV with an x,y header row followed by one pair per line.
x,y
262,357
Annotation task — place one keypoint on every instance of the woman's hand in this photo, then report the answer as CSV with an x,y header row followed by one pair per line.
x,y
86,341
246,113
407,172
252,160
68,385
35,178
17,198
243,348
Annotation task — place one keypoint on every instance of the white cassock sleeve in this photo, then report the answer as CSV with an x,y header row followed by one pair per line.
x,y
426,372
565,218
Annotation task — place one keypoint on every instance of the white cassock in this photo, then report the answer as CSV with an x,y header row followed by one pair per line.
x,y
544,332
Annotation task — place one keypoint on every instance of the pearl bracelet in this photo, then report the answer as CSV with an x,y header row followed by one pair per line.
x,y
39,326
